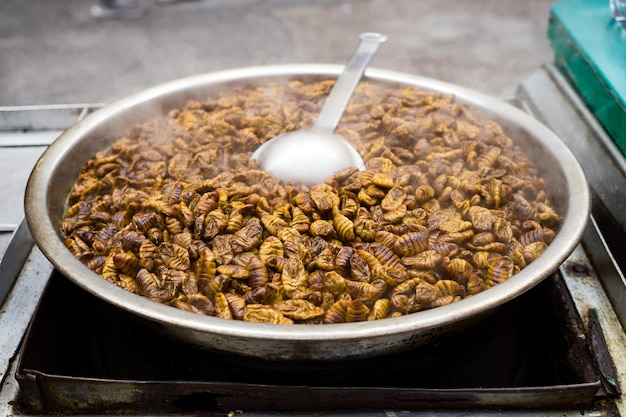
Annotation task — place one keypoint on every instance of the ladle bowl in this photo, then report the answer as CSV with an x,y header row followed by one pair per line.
x,y
310,156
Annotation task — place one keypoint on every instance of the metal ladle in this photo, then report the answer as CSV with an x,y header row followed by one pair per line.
x,y
310,156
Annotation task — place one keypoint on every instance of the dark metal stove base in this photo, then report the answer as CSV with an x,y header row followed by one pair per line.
x,y
83,356
593,276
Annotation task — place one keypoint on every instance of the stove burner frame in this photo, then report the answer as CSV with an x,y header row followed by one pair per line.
x,y
592,274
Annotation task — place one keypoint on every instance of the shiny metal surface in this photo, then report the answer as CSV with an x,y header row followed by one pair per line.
x,y
14,256
313,155
58,168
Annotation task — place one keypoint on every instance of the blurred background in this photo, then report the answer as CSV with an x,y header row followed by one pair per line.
x,y
56,52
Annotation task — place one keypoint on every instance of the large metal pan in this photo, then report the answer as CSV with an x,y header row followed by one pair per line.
x,y
58,168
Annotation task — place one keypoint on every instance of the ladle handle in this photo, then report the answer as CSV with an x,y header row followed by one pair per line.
x,y
341,93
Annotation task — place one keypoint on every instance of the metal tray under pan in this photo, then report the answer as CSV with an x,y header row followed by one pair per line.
x,y
82,355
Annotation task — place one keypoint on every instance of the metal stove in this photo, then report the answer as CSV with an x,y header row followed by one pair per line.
x,y
558,350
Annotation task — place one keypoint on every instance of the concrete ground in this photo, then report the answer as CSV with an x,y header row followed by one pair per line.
x,y
52,51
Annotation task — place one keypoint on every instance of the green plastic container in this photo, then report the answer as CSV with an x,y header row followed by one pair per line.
x,y
590,49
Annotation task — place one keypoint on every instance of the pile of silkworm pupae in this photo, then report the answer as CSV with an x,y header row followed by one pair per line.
x,y
448,206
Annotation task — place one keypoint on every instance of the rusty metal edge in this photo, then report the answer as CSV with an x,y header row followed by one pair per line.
x,y
90,395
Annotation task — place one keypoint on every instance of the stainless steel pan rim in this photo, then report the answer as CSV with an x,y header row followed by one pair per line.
x,y
43,197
